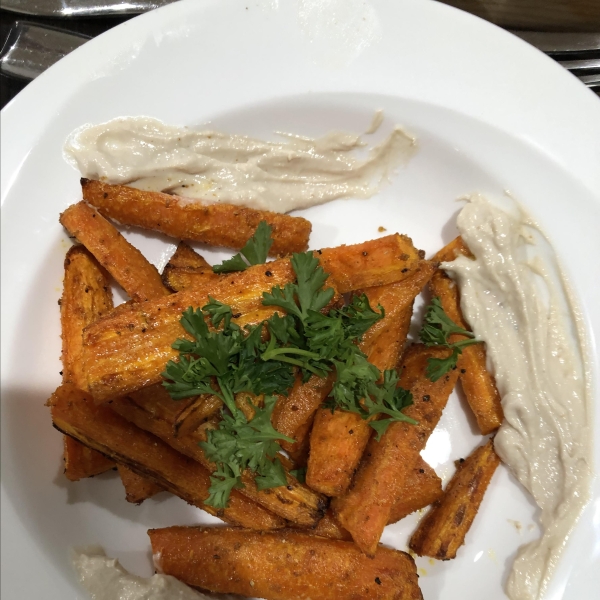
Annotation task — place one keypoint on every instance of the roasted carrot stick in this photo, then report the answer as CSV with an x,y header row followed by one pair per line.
x,y
422,487
216,224
283,565
293,414
126,264
294,502
366,508
81,461
478,384
137,488
186,256
86,297
339,438
74,413
129,351
441,533
186,260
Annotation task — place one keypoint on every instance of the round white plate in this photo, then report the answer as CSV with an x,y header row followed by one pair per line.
x,y
491,114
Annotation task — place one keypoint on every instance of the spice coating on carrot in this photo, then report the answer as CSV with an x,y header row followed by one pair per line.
x,y
478,384
441,533
74,413
217,224
366,508
126,264
286,565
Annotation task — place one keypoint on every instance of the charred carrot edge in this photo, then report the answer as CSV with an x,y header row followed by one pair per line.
x,y
339,438
215,224
128,351
137,488
186,260
441,533
126,264
203,408
478,384
75,414
81,461
86,297
186,256
366,508
294,502
422,487
282,565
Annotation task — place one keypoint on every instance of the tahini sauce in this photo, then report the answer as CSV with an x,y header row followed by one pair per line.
x,y
210,166
523,312
105,579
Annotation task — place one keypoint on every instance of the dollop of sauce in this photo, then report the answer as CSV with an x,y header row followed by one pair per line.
x,y
211,166
516,300
105,579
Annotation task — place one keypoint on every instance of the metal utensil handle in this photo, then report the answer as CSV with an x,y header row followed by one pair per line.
x,y
560,43
81,8
30,49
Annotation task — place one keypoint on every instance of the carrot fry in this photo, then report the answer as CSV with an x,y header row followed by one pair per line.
x,y
86,297
74,413
365,265
478,384
282,565
441,533
128,351
186,260
328,527
294,502
366,508
125,263
339,438
293,414
186,256
421,488
82,462
137,488
199,411
216,224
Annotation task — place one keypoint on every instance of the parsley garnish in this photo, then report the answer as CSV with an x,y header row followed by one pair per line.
x,y
299,474
255,251
225,360
436,331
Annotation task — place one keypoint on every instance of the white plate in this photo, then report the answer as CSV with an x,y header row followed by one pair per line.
x,y
491,114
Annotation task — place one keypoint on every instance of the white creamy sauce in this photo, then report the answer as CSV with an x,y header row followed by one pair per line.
x,y
105,579
210,166
516,300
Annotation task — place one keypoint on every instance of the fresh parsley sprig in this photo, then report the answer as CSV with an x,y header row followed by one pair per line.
x,y
255,251
239,444
436,331
357,389
225,361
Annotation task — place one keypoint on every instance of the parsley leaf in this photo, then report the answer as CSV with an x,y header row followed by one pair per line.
x,y
239,444
436,331
299,474
255,251
308,289
389,399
